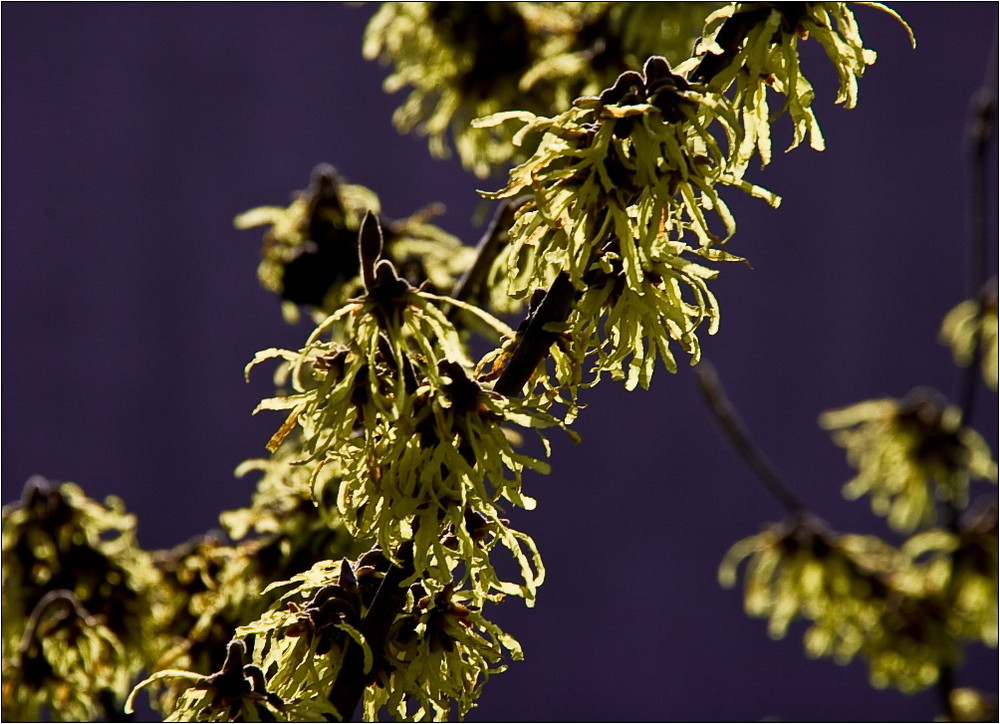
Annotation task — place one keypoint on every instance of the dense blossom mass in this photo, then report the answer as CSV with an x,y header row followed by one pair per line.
x,y
362,577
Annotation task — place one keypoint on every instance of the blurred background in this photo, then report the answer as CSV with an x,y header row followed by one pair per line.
x,y
133,134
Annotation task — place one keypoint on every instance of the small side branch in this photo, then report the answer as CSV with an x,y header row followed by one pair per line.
x,y
534,341
738,436
469,287
350,686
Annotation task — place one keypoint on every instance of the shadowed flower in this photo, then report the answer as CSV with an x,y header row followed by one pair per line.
x,y
310,251
461,60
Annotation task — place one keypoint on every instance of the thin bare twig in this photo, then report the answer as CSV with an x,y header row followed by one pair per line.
x,y
736,432
534,341
470,286
979,133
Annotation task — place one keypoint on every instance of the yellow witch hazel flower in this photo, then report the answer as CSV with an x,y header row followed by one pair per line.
x,y
417,443
69,665
633,327
310,248
299,647
607,170
800,569
622,199
293,529
973,705
209,587
766,58
909,454
236,692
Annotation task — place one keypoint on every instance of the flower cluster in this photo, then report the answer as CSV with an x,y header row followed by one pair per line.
x,y
326,616
589,44
68,665
633,166
633,327
962,563
417,443
910,453
207,589
623,186
970,704
210,586
290,529
432,652
472,60
236,692
973,582
462,60
622,196
441,652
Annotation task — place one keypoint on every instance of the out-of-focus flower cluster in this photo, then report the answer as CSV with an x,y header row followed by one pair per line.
x,y
85,610
909,455
905,611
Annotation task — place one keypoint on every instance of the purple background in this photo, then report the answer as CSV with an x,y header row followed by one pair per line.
x,y
133,134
